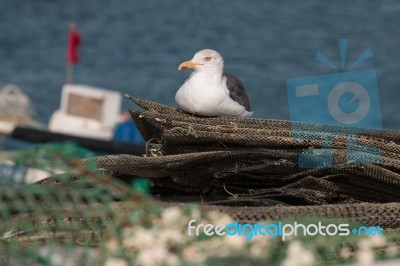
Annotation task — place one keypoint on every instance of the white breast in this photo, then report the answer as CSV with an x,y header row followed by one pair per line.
x,y
207,95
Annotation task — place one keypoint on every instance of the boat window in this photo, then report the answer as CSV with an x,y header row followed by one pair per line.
x,y
84,106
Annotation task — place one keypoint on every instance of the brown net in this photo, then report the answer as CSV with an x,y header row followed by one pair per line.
x,y
254,163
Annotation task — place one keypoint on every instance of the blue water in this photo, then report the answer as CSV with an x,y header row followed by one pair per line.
x,y
136,46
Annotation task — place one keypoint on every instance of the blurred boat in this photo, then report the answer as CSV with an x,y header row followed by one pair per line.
x,y
15,108
89,116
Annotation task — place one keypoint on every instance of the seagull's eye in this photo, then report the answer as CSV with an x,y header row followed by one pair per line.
x,y
208,58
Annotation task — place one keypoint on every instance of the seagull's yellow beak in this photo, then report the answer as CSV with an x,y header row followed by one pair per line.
x,y
186,65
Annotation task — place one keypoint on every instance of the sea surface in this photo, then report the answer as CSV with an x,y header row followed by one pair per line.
x,y
136,46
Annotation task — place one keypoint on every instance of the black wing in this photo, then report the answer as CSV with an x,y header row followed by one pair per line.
x,y
237,91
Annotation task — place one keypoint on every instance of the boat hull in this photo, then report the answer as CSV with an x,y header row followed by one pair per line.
x,y
42,136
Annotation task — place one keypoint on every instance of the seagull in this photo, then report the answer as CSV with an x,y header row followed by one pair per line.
x,y
208,91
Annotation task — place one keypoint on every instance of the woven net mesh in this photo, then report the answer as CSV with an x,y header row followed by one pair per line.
x,y
255,162
246,169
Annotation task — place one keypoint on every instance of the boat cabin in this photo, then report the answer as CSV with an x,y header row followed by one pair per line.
x,y
87,111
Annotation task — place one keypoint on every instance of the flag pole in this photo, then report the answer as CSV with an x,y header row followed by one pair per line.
x,y
70,74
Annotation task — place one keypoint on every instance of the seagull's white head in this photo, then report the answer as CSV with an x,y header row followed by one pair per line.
x,y
205,61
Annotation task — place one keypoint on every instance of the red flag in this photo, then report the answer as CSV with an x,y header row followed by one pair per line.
x,y
74,39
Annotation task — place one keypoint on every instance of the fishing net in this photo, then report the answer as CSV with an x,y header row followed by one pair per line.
x,y
126,209
255,162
